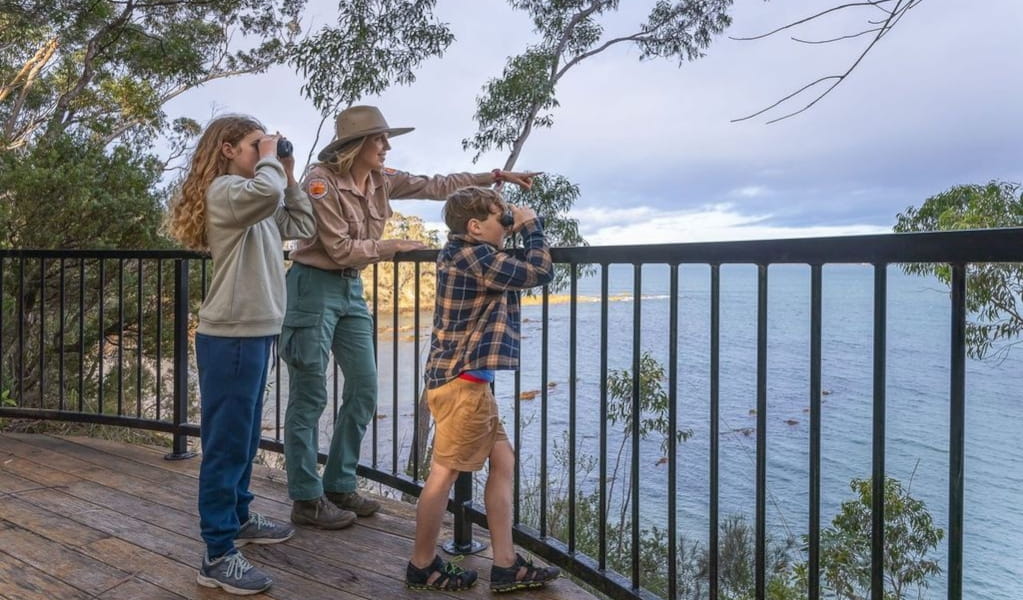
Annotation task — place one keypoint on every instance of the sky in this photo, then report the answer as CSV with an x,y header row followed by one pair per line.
x,y
652,144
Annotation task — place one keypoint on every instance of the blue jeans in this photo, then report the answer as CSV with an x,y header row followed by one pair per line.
x,y
232,378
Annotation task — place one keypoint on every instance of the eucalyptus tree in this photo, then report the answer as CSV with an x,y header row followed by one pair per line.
x,y
569,32
106,68
994,296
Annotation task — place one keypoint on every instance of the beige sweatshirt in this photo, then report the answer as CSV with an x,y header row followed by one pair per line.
x,y
246,222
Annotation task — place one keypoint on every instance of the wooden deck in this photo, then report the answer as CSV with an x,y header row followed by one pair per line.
x,y
86,518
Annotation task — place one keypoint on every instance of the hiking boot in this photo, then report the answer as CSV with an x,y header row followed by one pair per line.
x,y
233,574
360,505
261,530
320,513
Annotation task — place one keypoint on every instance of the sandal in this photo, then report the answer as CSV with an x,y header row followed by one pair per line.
x,y
452,577
506,579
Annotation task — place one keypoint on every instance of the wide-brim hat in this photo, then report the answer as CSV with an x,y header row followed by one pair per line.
x,y
357,122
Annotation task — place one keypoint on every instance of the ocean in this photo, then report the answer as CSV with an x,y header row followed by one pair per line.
x,y
917,384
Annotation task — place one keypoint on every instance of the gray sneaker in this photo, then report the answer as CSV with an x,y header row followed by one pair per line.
x,y
360,505
233,574
320,513
261,530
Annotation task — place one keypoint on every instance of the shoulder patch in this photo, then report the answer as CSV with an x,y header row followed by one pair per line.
x,y
390,171
317,188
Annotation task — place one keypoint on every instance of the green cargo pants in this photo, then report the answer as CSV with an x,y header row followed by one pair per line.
x,y
325,312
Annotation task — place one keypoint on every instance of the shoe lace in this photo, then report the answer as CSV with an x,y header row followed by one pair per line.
x,y
259,521
451,567
237,566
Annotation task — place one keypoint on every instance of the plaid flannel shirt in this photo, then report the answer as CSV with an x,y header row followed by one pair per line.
x,y
476,317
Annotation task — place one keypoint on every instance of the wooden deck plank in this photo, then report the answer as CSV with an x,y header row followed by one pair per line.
x,y
133,515
155,569
64,563
22,581
136,589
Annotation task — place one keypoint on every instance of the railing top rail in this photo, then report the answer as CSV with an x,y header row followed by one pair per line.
x,y
966,246
95,253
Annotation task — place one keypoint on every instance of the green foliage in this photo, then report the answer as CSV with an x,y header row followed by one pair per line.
x,y
61,351
910,536
653,401
737,563
83,88
512,102
653,419
105,69
994,290
69,192
377,43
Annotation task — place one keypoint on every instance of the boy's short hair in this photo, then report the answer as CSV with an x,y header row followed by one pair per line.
x,y
467,203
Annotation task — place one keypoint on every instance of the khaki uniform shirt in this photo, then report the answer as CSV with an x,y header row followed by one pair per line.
x,y
349,224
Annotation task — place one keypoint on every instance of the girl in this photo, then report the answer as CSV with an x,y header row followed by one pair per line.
x,y
231,204
351,191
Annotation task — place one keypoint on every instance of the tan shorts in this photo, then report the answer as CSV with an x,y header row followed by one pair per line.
x,y
468,425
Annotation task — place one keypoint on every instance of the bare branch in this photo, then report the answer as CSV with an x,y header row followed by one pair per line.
x,y
792,95
886,29
808,19
34,66
894,16
41,57
575,60
844,37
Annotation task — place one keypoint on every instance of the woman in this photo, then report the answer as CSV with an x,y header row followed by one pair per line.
x,y
350,190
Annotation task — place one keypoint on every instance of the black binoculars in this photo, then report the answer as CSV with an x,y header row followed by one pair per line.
x,y
284,148
507,219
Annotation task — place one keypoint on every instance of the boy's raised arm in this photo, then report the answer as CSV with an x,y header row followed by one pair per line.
x,y
504,271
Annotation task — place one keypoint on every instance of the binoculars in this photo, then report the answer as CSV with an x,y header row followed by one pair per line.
x,y
507,219
284,148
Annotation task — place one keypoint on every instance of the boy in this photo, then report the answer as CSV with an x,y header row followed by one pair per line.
x,y
475,333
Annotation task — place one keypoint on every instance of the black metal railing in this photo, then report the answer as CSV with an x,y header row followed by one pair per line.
x,y
86,336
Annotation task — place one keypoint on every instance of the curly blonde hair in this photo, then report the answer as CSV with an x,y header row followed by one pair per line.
x,y
186,220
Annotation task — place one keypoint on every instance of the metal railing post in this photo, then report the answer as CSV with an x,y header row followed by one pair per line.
x,y
179,450
463,542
